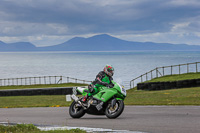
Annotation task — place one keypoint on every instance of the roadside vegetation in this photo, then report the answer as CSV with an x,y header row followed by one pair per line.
x,y
33,101
29,128
176,77
183,96
36,101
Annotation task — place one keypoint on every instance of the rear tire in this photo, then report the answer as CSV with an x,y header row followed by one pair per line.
x,y
113,113
76,110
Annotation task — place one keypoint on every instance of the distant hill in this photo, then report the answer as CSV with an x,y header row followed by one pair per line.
x,y
18,46
101,42
106,42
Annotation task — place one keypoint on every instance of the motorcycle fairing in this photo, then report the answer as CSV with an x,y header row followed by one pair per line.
x,y
105,94
82,90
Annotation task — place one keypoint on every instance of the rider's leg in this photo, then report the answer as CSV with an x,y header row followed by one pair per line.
x,y
95,91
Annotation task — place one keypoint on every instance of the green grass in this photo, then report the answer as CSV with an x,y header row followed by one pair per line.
x,y
41,86
29,128
36,101
33,101
22,128
176,77
184,96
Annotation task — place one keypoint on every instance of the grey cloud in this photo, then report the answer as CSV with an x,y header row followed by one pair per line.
x,y
83,17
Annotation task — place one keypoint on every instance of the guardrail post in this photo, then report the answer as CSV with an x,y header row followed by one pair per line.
x,y
49,79
34,81
146,77
196,67
25,82
163,71
156,72
30,80
44,79
13,82
61,78
39,80
130,84
171,70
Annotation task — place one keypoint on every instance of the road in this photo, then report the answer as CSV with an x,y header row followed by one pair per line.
x,y
151,119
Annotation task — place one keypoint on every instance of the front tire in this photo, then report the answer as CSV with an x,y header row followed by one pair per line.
x,y
76,110
113,113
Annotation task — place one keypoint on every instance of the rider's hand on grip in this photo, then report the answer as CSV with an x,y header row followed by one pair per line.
x,y
91,88
110,86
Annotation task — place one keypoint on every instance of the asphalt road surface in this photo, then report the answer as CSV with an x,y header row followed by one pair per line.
x,y
151,119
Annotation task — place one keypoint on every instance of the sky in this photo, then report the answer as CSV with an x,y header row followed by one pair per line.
x,y
51,22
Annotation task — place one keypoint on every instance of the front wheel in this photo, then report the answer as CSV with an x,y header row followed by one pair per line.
x,y
76,110
116,111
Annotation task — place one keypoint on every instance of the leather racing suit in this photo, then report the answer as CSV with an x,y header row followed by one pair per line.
x,y
102,79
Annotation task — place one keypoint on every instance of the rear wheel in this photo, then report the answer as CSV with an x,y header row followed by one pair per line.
x,y
76,110
116,111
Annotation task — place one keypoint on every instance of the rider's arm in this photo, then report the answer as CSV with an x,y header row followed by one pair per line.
x,y
99,78
111,85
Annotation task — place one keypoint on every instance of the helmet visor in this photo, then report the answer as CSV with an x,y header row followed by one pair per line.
x,y
111,71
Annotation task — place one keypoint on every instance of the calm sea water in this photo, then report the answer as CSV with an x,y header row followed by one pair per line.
x,y
85,65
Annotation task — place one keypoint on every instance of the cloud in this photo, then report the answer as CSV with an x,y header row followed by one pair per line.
x,y
42,18
22,29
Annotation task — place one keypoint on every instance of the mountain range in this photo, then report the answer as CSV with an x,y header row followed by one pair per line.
x,y
102,42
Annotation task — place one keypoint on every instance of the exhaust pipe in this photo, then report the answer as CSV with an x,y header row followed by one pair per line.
x,y
75,98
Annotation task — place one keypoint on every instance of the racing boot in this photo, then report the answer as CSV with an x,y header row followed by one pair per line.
x,y
85,98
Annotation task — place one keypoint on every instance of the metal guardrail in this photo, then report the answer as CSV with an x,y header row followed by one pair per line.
x,y
157,72
46,80
40,80
166,70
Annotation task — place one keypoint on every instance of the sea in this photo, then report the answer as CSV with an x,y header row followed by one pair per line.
x,y
86,65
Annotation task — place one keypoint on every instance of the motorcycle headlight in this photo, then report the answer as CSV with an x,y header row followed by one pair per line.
x,y
123,90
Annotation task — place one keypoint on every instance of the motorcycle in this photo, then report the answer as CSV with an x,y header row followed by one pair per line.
x,y
108,101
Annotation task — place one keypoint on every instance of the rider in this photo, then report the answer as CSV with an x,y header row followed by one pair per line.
x,y
103,78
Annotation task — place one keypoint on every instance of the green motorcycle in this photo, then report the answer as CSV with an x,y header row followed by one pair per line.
x,y
108,101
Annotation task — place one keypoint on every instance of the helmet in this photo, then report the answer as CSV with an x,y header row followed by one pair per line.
x,y
109,70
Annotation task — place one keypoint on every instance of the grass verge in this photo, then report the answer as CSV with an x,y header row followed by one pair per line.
x,y
29,128
184,96
34,101
176,77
